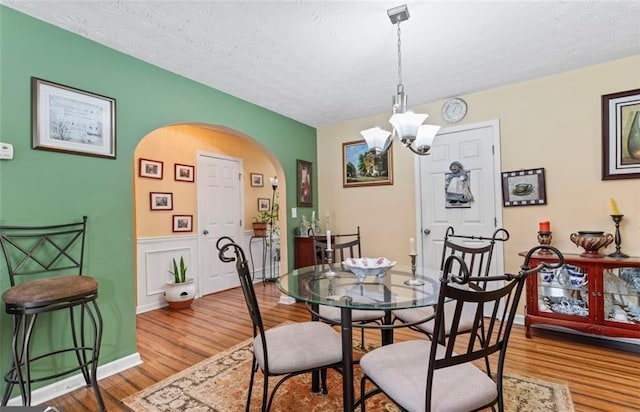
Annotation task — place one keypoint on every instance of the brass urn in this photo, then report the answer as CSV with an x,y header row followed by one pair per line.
x,y
591,242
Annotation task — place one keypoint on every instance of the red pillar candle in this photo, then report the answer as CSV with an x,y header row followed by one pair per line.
x,y
545,226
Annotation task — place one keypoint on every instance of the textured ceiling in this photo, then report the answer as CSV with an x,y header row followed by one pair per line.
x,y
323,62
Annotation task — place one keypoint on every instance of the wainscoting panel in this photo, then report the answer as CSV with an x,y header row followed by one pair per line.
x,y
154,263
154,259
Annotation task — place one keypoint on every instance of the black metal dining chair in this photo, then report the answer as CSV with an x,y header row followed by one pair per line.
x,y
287,350
439,374
45,267
477,258
344,246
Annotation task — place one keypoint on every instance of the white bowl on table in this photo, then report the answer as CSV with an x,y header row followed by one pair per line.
x,y
363,267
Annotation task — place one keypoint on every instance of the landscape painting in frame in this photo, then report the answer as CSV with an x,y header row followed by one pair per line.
x,y
361,167
70,120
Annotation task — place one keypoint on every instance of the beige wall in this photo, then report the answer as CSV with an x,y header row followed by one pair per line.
x,y
180,144
553,122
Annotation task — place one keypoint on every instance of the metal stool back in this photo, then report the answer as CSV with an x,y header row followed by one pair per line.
x,y
45,267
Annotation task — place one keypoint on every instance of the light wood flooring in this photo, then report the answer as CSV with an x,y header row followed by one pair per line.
x,y
601,378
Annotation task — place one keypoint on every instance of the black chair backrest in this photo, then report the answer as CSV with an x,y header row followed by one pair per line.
x,y
344,246
37,250
489,334
477,258
226,245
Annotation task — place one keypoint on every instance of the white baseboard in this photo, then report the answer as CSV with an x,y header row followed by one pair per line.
x,y
74,382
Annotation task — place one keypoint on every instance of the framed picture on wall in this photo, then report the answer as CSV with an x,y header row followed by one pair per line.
x,y
184,173
257,180
360,167
621,135
264,204
524,188
304,179
65,119
182,223
150,168
161,201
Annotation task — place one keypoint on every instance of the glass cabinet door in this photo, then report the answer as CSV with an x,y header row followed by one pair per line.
x,y
621,295
564,291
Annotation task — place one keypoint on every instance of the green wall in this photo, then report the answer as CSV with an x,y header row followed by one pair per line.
x,y
43,187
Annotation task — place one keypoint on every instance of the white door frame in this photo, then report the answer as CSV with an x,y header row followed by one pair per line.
x,y
495,127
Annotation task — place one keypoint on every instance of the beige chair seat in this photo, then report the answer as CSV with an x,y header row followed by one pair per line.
x,y
298,347
404,378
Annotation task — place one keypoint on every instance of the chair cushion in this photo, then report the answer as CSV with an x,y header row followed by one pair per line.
x,y
333,314
298,347
400,370
45,291
414,315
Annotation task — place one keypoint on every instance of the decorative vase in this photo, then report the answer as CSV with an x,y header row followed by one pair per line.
x,y
591,241
180,295
633,142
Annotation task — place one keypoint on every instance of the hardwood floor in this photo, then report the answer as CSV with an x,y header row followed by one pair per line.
x,y
601,378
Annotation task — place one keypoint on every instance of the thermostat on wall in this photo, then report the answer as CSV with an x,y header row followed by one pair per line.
x,y
6,151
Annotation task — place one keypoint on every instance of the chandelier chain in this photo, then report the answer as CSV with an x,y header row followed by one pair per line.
x,y
399,57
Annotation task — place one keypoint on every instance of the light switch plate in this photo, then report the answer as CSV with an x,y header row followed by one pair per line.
x,y
6,151
294,212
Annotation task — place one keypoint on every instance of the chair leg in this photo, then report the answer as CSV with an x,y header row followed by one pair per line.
x,y
265,391
96,320
253,374
323,378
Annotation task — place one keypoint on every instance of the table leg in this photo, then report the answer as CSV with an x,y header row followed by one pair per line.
x,y
387,334
347,360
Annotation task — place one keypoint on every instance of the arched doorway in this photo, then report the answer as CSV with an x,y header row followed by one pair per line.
x,y
177,146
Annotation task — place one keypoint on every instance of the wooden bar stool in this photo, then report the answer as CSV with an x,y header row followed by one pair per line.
x,y
45,270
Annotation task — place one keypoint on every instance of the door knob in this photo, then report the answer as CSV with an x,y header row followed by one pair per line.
x,y
205,232
427,231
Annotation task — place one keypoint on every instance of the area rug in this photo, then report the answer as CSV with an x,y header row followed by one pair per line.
x,y
219,384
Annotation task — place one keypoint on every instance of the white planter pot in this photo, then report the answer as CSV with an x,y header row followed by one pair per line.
x,y
180,295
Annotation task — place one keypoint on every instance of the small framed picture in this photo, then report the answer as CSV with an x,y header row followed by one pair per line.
x,y
304,179
184,173
182,223
264,204
150,168
524,188
69,120
161,201
257,180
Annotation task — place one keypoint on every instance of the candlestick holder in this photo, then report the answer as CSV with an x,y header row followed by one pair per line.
x,y
330,273
413,281
544,238
617,238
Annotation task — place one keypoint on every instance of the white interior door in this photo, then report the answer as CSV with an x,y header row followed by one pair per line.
x,y
220,211
476,146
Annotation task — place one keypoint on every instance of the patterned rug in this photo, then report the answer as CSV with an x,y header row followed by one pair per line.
x,y
219,384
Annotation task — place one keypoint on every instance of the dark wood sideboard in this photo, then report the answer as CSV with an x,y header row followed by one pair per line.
x,y
304,250
608,304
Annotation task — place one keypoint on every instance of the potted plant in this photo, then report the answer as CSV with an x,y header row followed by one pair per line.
x,y
180,290
260,224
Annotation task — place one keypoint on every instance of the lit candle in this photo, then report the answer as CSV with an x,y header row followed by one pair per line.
x,y
328,240
545,226
412,246
614,208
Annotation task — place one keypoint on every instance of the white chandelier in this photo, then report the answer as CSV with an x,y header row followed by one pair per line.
x,y
406,125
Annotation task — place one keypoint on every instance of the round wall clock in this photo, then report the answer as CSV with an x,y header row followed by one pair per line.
x,y
454,110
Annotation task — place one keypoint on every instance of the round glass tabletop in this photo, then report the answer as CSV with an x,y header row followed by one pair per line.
x,y
390,292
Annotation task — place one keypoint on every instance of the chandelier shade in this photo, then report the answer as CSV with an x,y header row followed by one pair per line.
x,y
407,125
378,140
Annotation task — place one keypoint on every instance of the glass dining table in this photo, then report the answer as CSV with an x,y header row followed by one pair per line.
x,y
314,286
